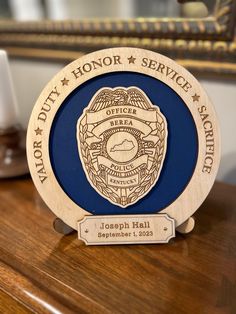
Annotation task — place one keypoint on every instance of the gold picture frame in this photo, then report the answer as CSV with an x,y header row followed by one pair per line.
x,y
203,45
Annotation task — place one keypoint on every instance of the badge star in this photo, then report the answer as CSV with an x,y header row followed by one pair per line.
x,y
195,97
38,131
131,59
65,82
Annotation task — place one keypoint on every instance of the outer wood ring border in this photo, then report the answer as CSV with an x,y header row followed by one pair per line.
x,y
51,192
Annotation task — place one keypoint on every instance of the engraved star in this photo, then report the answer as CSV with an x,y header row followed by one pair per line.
x,y
131,59
64,82
38,131
195,97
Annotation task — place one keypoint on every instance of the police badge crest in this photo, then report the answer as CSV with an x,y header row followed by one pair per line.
x,y
122,141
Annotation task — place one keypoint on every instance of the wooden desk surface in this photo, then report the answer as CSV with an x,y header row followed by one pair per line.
x,y
44,272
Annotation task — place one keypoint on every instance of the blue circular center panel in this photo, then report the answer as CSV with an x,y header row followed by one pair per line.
x,y
181,154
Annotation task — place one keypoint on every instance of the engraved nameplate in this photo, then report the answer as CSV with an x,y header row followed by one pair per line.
x,y
126,229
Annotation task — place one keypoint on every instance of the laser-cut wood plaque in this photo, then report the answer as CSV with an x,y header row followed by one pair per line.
x,y
124,132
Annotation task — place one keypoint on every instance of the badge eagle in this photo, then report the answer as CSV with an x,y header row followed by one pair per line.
x,y
122,141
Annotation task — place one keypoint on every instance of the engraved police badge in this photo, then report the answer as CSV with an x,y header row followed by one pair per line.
x,y
122,140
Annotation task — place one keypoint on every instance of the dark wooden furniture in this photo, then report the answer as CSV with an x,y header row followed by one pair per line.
x,y
42,271
13,160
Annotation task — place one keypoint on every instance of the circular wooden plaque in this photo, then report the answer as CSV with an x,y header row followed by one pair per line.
x,y
123,131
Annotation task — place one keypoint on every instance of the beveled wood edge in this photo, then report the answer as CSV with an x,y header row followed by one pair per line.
x,y
26,293
33,286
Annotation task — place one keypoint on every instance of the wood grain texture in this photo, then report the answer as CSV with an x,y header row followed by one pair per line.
x,y
42,271
11,306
